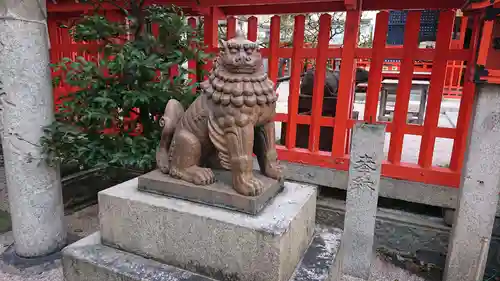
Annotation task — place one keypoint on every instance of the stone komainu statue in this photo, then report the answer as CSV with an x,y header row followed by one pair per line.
x,y
232,118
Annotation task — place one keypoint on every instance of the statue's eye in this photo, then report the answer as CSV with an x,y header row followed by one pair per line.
x,y
233,50
249,51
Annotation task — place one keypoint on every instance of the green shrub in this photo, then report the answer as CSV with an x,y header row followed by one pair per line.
x,y
129,75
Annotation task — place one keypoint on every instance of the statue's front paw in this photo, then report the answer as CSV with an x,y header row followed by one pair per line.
x,y
274,171
201,176
248,185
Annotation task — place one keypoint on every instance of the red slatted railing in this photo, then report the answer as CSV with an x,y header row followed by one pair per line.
x,y
342,123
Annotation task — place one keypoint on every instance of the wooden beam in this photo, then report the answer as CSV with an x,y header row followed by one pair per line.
x,y
331,6
259,7
371,5
67,6
235,3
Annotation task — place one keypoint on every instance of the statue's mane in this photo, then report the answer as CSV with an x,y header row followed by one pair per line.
x,y
224,87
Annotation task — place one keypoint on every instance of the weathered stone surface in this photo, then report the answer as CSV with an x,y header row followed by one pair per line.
x,y
212,241
366,157
220,194
89,260
34,187
478,198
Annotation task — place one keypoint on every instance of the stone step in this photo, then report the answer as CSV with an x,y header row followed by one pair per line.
x,y
90,260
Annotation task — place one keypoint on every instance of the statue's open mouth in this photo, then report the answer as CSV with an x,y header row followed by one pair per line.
x,y
241,68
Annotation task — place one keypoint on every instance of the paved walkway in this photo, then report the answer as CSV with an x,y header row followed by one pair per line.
x,y
411,144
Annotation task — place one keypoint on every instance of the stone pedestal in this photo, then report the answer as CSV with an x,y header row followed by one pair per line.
x,y
194,241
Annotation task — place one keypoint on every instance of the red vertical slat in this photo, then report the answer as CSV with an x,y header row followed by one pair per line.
x,y
376,65
403,93
466,102
252,28
174,71
439,65
293,96
192,63
274,44
463,28
210,35
344,101
451,70
325,21
484,46
231,28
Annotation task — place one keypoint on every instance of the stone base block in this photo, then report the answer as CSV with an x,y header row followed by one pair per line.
x,y
220,194
89,260
212,241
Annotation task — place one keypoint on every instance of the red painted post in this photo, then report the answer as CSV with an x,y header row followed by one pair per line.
x,y
231,28
405,82
274,44
344,102
466,102
192,63
293,96
252,28
325,21
445,27
210,35
376,65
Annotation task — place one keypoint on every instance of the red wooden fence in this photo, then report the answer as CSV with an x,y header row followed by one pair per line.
x,y
342,123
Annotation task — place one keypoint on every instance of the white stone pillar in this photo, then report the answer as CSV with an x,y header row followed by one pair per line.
x,y
34,188
474,217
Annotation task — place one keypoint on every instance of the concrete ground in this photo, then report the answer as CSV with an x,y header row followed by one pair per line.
x,y
411,145
85,222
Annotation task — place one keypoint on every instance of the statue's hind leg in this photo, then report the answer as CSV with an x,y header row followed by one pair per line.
x,y
185,156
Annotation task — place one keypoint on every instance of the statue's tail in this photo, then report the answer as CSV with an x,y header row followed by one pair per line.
x,y
171,117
